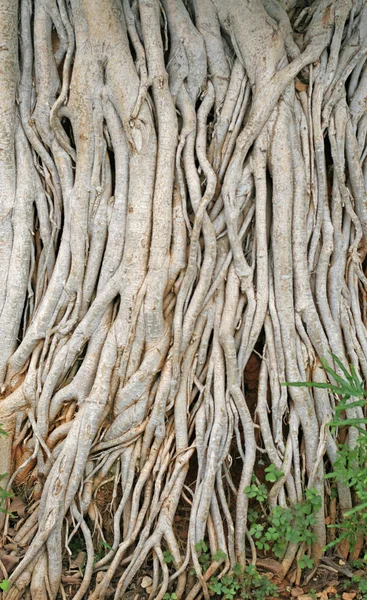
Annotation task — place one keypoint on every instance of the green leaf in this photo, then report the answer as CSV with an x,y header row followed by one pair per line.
x,y
358,383
345,387
356,509
353,422
167,557
4,585
201,546
216,586
306,562
105,545
272,473
341,366
219,555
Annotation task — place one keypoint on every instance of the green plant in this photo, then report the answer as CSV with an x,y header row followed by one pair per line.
x,y
350,466
357,583
305,562
107,546
358,563
219,556
283,525
169,596
78,545
253,515
244,583
272,473
203,554
227,587
4,585
167,557
257,491
4,494
362,588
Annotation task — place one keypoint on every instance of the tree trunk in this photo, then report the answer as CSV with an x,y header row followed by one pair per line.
x,y
183,188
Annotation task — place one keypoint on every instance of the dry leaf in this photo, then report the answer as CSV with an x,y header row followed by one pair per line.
x,y
99,576
273,566
79,560
349,595
331,590
146,582
11,546
71,579
296,592
323,595
359,573
9,561
300,86
17,505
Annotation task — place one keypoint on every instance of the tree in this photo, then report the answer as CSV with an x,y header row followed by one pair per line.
x,y
182,184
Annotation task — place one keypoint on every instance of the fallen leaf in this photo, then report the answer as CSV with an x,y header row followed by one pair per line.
x,y
146,582
274,566
300,86
17,505
331,590
349,595
9,561
11,546
72,579
296,592
79,560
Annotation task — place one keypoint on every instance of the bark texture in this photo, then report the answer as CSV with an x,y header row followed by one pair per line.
x,y
183,184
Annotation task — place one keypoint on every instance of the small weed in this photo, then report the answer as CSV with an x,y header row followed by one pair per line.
x,y
247,584
4,585
273,474
169,596
257,491
361,582
219,556
204,555
167,557
4,494
306,562
350,466
293,524
98,555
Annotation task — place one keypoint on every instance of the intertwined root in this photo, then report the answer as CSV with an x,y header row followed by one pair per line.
x,y
182,184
